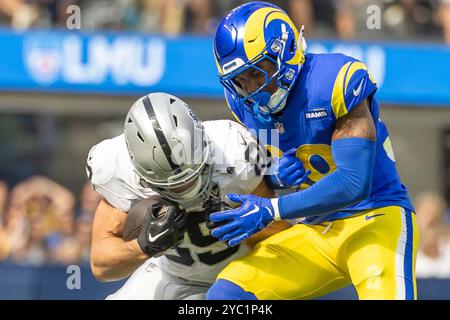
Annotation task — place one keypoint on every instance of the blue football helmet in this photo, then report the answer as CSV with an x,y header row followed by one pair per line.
x,y
249,34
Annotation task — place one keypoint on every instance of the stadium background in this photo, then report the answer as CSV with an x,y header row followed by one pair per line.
x,y
61,91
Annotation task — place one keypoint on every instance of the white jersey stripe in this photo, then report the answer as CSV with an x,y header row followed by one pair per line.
x,y
400,258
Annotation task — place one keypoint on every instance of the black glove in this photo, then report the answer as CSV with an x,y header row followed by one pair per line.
x,y
215,207
163,228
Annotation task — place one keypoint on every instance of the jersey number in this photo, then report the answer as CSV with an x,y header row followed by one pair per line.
x,y
315,157
200,240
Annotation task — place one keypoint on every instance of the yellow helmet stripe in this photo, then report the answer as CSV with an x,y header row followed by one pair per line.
x,y
218,65
282,16
236,117
254,41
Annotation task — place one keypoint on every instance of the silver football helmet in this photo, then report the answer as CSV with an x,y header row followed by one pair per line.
x,y
169,148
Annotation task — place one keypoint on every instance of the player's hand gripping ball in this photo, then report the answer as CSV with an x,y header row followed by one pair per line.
x,y
158,225
289,171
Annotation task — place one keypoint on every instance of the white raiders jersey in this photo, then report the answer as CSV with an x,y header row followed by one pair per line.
x,y
238,167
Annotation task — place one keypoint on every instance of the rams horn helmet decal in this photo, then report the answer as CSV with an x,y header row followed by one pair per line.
x,y
252,33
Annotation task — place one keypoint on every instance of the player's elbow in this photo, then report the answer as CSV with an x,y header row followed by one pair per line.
x,y
100,273
104,273
100,269
355,160
364,188
357,186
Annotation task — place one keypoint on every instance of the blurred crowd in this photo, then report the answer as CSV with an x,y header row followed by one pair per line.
x,y
42,222
345,19
433,259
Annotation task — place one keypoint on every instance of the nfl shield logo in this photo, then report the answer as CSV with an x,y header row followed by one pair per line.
x,y
280,128
43,58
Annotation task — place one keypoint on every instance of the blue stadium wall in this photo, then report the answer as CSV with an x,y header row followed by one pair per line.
x,y
135,64
51,283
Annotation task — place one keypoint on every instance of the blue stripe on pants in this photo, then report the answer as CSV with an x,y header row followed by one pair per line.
x,y
408,258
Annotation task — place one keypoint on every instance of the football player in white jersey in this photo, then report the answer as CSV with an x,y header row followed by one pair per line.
x,y
166,150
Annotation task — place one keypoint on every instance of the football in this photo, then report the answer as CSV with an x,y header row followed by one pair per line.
x,y
137,213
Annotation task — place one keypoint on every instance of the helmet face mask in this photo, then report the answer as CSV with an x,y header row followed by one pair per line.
x,y
169,148
194,194
259,102
252,33
193,186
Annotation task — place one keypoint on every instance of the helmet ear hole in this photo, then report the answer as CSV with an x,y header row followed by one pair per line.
x,y
292,47
140,137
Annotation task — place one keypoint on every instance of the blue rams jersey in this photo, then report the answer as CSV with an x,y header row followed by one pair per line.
x,y
329,86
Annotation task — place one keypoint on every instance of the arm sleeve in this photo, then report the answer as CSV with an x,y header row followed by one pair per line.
x,y
350,183
352,86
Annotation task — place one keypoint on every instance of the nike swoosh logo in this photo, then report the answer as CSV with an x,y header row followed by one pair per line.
x,y
256,209
358,90
375,215
152,239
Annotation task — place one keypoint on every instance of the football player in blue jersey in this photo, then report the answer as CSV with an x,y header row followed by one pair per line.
x,y
359,225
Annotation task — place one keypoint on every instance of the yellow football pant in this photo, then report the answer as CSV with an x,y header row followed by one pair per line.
x,y
374,250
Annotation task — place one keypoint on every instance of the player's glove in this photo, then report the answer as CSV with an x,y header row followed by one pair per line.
x,y
215,207
253,215
288,171
163,228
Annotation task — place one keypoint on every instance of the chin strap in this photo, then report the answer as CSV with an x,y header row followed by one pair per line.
x,y
262,99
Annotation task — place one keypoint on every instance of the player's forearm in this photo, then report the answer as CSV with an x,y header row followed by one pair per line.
x,y
349,184
113,258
